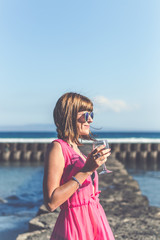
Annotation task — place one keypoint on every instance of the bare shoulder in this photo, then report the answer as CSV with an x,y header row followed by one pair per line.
x,y
54,153
55,146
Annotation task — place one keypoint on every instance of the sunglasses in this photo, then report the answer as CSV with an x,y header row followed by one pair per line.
x,y
87,114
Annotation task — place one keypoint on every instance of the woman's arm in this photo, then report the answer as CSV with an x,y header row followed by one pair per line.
x,y
54,194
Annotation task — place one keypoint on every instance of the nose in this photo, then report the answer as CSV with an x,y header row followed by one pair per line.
x,y
90,120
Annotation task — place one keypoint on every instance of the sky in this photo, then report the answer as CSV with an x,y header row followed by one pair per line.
x,y
106,50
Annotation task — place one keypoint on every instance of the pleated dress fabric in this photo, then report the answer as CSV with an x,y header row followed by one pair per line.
x,y
82,216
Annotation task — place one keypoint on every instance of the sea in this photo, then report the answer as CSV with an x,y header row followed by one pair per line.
x,y
21,183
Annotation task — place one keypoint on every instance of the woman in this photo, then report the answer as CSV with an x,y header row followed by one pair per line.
x,y
68,174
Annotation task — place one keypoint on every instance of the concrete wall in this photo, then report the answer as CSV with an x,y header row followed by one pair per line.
x,y
22,151
141,154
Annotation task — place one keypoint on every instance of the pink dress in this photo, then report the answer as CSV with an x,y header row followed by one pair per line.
x,y
82,216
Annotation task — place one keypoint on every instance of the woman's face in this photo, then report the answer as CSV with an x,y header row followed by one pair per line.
x,y
83,124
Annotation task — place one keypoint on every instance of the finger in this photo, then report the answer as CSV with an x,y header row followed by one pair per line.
x,y
103,152
97,149
103,157
101,161
100,151
107,154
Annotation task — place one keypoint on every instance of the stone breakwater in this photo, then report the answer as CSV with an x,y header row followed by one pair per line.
x,y
134,154
127,210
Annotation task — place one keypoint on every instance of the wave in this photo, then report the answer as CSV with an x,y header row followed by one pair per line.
x,y
110,140
134,140
2,201
26,140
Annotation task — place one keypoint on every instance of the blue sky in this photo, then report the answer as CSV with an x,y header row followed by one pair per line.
x,y
106,50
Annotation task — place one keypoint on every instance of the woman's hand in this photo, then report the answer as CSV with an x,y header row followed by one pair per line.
x,y
96,158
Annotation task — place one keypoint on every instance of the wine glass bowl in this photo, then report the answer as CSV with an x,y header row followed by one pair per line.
x,y
96,144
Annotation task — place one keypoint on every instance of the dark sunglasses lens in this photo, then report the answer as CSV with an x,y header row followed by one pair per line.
x,y
86,116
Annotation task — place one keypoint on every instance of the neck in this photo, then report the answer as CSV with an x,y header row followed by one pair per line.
x,y
72,144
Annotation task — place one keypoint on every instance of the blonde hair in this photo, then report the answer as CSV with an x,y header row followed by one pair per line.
x,y
65,115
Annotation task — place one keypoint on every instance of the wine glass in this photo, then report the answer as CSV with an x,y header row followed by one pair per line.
x,y
96,144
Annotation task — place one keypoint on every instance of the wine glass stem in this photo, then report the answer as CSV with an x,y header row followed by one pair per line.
x,y
104,166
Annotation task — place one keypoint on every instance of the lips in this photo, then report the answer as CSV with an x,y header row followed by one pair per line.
x,y
87,126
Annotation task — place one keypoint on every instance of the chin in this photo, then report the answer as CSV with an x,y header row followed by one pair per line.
x,y
84,133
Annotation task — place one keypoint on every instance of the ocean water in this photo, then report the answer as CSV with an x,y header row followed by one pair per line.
x,y
20,197
111,136
21,184
149,182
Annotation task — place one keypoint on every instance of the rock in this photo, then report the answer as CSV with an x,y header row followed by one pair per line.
x,y
42,210
36,235
127,210
44,221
